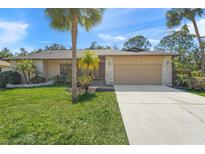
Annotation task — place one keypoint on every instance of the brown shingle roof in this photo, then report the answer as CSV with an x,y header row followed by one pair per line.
x,y
67,54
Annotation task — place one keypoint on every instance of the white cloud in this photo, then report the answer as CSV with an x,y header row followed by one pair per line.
x,y
45,42
12,32
201,26
108,38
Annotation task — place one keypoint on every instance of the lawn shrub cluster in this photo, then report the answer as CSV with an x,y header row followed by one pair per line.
x,y
38,79
197,83
62,79
9,77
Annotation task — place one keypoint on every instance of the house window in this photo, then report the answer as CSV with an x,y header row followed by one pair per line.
x,y
65,69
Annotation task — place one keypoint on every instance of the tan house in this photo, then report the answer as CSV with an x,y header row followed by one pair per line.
x,y
4,66
116,67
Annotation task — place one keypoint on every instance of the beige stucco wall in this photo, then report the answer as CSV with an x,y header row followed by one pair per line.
x,y
167,71
53,67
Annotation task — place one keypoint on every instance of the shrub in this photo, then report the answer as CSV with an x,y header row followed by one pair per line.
x,y
9,77
197,83
38,79
181,79
85,81
62,79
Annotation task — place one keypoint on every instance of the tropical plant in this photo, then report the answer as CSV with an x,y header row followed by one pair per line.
x,y
185,63
27,67
175,17
88,63
5,52
138,41
68,20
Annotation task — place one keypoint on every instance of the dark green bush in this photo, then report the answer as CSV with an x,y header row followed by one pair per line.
x,y
61,79
9,77
197,83
38,79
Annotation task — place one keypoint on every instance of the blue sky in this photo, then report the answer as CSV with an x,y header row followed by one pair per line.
x,y
29,28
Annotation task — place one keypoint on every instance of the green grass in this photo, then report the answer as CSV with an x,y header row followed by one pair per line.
x,y
198,92
46,115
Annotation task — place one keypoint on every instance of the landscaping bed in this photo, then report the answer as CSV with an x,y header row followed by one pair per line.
x,y
45,115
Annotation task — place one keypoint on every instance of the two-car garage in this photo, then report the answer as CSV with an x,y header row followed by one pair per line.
x,y
137,69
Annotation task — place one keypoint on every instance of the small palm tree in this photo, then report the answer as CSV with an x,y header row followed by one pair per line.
x,y
175,17
68,19
27,67
88,63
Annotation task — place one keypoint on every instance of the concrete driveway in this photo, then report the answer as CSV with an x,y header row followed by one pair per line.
x,y
155,114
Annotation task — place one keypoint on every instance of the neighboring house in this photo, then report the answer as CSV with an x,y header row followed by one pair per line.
x,y
116,67
4,66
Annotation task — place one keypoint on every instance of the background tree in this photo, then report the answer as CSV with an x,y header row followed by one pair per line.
x,y
27,67
22,52
175,17
94,46
186,62
68,20
88,64
138,41
5,52
55,46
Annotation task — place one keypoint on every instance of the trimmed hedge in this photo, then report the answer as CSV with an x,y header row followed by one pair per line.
x,y
9,77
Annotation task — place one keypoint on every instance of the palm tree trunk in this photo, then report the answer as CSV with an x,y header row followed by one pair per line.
x,y
200,45
74,66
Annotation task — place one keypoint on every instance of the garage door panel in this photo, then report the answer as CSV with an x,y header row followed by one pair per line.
x,y
137,73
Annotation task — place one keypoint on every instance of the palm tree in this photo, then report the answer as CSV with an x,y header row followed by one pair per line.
x,y
27,67
68,19
175,17
88,63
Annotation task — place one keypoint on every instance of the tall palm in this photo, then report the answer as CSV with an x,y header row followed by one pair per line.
x,y
175,17
68,19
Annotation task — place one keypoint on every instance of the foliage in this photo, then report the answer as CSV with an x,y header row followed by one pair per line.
x,y
88,63
197,83
55,46
9,77
176,16
94,45
138,41
62,79
179,42
45,115
5,53
186,63
38,79
27,67
68,19
85,81
23,52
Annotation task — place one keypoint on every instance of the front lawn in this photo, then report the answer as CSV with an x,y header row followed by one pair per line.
x,y
46,116
198,92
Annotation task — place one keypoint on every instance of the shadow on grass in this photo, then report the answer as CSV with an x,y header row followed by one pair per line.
x,y
82,98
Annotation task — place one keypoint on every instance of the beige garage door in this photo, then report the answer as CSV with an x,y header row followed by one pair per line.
x,y
137,73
